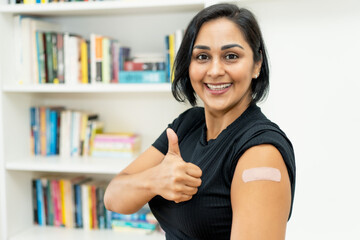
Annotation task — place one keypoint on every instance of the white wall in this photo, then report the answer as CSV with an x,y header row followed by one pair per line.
x,y
314,49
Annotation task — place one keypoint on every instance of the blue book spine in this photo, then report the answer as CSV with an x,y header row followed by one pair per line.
x,y
48,132
33,126
40,203
142,77
53,132
133,224
108,219
37,131
78,206
38,53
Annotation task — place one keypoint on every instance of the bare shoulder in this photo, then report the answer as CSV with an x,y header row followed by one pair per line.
x,y
260,195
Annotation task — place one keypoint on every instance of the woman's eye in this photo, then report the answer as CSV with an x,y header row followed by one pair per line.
x,y
202,57
231,56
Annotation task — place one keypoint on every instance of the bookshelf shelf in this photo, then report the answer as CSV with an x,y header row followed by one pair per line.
x,y
55,233
87,88
87,165
103,7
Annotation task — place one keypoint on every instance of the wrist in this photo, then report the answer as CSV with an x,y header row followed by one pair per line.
x,y
149,183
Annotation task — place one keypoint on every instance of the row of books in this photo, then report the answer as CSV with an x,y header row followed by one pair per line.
x,y
78,202
45,54
55,130
49,1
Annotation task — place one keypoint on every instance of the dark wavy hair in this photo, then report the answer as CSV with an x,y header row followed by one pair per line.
x,y
245,20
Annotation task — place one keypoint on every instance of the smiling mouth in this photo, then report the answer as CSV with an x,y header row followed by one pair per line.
x,y
218,87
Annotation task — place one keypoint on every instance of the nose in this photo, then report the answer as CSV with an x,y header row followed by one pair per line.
x,y
216,68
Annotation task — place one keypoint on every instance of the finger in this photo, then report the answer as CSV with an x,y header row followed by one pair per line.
x,y
183,198
192,181
193,170
190,190
173,142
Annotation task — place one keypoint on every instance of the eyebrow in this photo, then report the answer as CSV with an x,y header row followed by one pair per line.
x,y
203,47
231,46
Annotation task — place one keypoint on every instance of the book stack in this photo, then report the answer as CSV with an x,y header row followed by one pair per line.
x,y
144,69
143,220
172,45
55,130
116,145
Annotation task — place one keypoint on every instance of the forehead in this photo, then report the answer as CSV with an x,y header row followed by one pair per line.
x,y
220,30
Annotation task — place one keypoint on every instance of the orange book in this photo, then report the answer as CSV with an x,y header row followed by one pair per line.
x,y
98,58
94,212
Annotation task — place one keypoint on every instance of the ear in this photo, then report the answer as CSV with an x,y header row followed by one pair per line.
x,y
257,67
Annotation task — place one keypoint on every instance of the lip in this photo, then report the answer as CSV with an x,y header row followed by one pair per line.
x,y
217,92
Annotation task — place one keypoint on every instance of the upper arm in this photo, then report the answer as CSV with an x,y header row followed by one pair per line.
x,y
148,159
260,208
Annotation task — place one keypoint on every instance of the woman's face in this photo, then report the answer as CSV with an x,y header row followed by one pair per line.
x,y
222,66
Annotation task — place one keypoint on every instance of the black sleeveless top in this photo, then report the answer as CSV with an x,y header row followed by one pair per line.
x,y
208,215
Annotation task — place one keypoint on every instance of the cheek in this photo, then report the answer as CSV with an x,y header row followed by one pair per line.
x,y
196,72
242,73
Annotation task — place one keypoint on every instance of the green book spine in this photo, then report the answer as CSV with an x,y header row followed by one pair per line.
x,y
49,54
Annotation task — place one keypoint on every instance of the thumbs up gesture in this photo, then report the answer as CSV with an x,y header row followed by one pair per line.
x,y
177,180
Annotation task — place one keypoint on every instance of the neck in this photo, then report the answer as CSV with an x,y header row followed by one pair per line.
x,y
217,121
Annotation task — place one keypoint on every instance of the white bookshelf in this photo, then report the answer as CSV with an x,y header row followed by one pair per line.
x,y
84,165
106,7
88,88
53,233
142,108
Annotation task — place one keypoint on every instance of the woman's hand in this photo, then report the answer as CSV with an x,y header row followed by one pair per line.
x,y
175,179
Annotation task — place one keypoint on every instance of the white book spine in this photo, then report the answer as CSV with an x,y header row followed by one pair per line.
x,y
85,206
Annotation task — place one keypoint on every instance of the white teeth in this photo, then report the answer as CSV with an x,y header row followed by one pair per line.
x,y
218,87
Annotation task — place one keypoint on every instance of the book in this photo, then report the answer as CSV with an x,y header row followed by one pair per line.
x,y
106,68
84,61
98,59
144,66
54,57
78,214
60,60
40,203
172,55
34,201
116,224
142,77
49,54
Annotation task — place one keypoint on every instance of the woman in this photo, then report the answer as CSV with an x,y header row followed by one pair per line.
x,y
223,171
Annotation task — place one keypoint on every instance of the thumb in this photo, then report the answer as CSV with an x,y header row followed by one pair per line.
x,y
173,142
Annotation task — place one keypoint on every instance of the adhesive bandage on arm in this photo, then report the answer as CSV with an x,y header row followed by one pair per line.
x,y
261,173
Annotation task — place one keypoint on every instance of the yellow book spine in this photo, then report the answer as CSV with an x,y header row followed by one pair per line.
x,y
84,62
84,121
62,194
172,55
90,207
